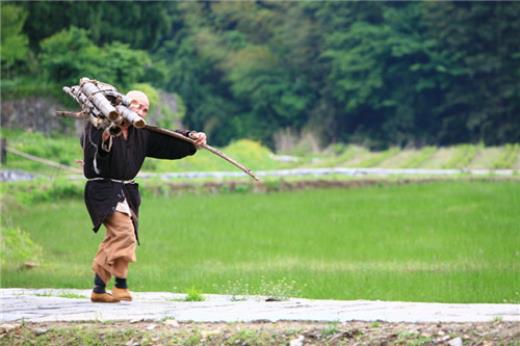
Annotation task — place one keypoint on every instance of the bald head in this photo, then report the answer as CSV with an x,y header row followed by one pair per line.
x,y
139,96
139,102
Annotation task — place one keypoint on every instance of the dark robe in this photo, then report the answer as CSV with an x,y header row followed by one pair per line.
x,y
122,162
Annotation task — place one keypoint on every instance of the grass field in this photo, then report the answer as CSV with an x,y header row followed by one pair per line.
x,y
446,241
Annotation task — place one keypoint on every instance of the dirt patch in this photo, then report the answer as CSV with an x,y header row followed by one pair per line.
x,y
292,185
171,332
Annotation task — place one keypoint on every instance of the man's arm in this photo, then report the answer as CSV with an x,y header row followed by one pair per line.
x,y
161,146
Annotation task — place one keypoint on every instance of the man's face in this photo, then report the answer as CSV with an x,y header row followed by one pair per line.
x,y
139,107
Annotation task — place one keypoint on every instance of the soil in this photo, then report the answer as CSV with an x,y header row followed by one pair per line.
x,y
290,185
171,332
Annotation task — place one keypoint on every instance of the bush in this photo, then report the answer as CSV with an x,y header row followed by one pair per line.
x,y
508,157
250,153
194,295
41,190
58,192
464,154
17,248
17,88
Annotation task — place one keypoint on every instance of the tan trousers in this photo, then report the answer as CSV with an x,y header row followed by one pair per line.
x,y
117,249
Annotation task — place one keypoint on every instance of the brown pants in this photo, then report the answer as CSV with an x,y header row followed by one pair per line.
x,y
117,249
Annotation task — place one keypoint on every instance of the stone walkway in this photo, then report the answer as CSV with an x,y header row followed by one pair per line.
x,y
46,305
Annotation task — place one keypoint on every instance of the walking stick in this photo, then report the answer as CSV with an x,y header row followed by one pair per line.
x,y
205,146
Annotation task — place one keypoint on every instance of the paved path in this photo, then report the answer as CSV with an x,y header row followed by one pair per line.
x,y
45,305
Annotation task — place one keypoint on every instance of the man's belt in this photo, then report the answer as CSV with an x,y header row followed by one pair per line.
x,y
114,180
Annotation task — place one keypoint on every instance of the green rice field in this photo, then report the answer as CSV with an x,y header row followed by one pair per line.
x,y
455,241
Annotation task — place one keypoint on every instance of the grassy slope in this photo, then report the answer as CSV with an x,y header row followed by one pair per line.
x,y
451,242
66,150
60,149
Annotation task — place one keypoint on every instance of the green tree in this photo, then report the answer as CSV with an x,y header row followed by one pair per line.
x,y
70,55
122,65
479,58
140,24
376,73
13,43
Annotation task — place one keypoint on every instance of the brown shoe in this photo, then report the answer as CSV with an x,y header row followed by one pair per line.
x,y
103,298
121,294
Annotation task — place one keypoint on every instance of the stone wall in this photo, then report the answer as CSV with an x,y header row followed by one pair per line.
x,y
35,113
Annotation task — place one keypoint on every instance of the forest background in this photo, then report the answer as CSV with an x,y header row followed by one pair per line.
x,y
378,74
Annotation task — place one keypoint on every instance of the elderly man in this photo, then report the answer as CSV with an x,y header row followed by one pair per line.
x,y
112,197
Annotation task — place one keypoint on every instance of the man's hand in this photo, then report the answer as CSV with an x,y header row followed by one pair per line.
x,y
199,137
106,140
105,135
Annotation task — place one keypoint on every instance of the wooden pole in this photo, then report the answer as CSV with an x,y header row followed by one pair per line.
x,y
75,115
206,146
3,151
44,161
80,115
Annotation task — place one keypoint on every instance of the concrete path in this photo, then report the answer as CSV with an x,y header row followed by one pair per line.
x,y
46,305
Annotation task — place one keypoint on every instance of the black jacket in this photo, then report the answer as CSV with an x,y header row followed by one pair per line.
x,y
122,162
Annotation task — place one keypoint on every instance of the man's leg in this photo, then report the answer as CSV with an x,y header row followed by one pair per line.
x,y
115,253
102,274
120,290
123,248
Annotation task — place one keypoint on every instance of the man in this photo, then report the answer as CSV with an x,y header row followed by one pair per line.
x,y
112,197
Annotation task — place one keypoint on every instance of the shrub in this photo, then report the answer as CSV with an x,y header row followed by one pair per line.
x,y
508,157
464,154
17,248
40,190
194,295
